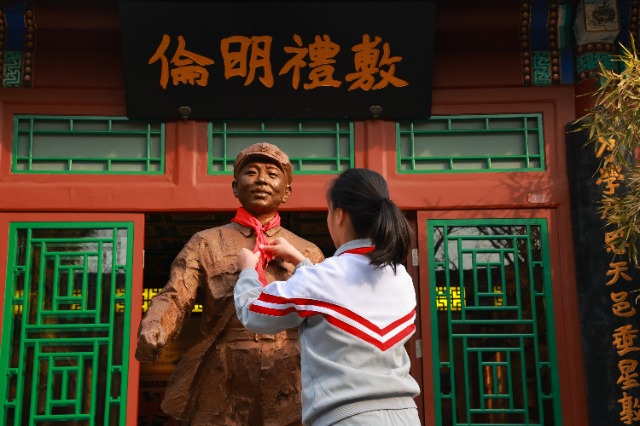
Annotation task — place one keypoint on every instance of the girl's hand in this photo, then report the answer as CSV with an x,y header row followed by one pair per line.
x,y
247,259
282,249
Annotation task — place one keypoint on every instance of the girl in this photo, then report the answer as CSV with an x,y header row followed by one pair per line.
x,y
355,310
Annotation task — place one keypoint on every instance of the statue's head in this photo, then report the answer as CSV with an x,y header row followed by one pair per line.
x,y
262,178
268,152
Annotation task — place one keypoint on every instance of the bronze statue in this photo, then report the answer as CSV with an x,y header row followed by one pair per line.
x,y
231,376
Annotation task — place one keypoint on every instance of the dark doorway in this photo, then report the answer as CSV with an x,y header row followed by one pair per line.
x,y
165,235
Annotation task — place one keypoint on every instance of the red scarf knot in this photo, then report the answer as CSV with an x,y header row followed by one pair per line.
x,y
245,218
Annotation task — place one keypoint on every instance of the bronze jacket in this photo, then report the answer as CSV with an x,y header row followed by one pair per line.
x,y
231,376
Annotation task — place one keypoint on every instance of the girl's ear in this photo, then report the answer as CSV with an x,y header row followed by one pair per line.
x,y
341,215
343,223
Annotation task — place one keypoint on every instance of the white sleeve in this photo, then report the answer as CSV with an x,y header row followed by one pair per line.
x,y
247,290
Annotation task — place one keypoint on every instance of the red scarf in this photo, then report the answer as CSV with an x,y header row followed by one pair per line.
x,y
245,218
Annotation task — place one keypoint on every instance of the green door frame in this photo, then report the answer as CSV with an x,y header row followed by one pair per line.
x,y
472,299
134,226
561,269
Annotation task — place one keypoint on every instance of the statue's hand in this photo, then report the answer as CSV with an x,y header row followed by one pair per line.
x,y
247,259
152,339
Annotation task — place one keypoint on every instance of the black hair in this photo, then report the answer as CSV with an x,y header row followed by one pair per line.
x,y
363,194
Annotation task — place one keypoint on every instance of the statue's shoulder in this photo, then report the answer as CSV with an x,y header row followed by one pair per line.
x,y
291,237
306,247
219,230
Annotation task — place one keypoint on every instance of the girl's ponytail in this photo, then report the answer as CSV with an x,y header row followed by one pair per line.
x,y
363,194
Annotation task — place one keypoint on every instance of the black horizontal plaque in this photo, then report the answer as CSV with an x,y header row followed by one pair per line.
x,y
277,60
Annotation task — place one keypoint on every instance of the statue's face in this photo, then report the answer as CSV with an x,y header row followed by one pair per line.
x,y
261,187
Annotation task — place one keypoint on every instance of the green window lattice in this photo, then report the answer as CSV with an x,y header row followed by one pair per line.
x,y
471,143
312,147
87,145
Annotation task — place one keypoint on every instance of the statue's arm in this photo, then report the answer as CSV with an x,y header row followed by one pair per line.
x,y
170,308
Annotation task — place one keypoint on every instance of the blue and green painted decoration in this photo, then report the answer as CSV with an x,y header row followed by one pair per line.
x,y
17,43
563,41
546,43
601,26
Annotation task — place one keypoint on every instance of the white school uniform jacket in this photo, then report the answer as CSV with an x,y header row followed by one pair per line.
x,y
354,320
